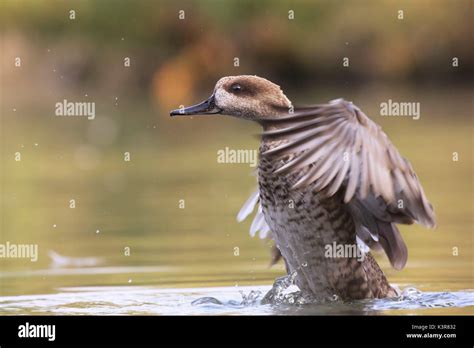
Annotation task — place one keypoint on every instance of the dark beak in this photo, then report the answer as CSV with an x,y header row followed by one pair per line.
x,y
207,107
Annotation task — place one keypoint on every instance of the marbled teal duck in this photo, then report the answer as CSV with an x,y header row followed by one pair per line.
x,y
328,177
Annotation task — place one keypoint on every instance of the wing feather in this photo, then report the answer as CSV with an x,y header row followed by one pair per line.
x,y
376,182
258,223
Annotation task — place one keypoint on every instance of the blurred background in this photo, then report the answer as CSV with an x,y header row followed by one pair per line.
x,y
173,205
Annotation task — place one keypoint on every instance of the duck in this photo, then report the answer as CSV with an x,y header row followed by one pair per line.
x,y
328,178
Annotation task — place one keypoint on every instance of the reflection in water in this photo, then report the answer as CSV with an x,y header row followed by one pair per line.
x,y
58,261
282,298
212,301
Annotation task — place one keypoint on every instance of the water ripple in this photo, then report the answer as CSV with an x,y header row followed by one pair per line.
x,y
248,300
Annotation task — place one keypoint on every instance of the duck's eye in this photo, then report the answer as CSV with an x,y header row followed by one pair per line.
x,y
236,87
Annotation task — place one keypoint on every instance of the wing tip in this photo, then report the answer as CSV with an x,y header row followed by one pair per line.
x,y
399,264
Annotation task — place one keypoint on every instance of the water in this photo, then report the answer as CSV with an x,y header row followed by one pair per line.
x,y
246,300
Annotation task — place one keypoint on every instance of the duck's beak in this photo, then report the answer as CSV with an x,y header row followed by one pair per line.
x,y
207,107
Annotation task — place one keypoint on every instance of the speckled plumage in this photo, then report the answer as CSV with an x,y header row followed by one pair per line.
x,y
302,224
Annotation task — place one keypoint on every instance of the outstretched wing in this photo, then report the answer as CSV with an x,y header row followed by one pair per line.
x,y
347,152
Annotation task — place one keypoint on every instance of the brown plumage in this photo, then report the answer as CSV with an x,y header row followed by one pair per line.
x,y
327,176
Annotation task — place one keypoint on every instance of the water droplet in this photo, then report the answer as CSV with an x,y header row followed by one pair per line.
x,y
304,264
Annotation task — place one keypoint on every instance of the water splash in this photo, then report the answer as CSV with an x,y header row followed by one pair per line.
x,y
412,298
284,291
250,299
410,294
285,297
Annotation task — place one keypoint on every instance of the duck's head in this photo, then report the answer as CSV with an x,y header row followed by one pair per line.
x,y
245,96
